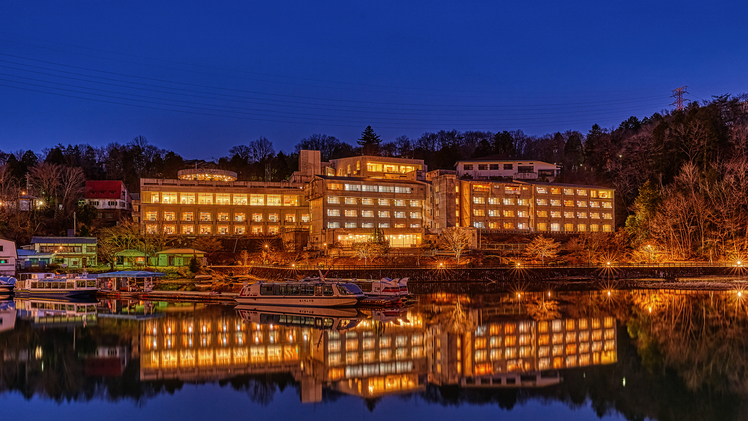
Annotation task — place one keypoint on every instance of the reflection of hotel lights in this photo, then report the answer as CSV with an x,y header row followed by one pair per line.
x,y
154,330
189,329
205,328
306,338
168,330
650,309
608,293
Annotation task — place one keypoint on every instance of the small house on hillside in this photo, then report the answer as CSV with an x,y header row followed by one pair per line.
x,y
129,258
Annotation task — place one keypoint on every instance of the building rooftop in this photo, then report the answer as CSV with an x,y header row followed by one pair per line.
x,y
63,240
104,189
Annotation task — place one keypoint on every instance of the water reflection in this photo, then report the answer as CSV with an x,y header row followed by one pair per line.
x,y
653,354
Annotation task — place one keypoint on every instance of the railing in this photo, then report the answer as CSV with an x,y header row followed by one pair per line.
x,y
520,266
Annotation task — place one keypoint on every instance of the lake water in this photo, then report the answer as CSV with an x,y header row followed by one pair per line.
x,y
661,355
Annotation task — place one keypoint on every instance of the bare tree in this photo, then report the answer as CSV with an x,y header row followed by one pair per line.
x,y
261,149
46,178
72,181
543,248
456,240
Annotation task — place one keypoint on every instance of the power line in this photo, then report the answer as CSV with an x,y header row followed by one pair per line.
x,y
678,95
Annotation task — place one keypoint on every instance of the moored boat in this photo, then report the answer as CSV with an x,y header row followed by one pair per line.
x,y
304,294
7,283
52,285
126,282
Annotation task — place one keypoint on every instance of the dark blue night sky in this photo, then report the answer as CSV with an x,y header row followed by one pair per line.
x,y
200,77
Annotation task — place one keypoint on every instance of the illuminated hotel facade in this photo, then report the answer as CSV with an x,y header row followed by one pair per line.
x,y
344,201
212,202
520,206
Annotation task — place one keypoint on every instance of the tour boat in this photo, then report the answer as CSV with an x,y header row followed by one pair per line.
x,y
7,283
52,285
126,282
317,318
305,294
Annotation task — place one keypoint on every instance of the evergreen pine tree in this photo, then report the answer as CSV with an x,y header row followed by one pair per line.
x,y
369,142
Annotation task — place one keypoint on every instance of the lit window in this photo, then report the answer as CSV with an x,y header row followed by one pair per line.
x,y
508,214
415,215
188,216
290,217
384,225
479,212
205,198
333,225
399,214
256,217
305,218
188,229
350,200
169,198
205,216
273,200
384,214
350,225
223,199
151,216
206,229
333,212
367,214
290,200
333,200
273,217
350,213
239,230
581,204
240,199
187,198
415,203
256,199
223,229
240,217
399,202
542,202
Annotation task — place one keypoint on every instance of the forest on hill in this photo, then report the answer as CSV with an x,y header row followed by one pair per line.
x,y
680,176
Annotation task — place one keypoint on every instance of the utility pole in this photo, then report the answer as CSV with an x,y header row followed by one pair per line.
x,y
678,95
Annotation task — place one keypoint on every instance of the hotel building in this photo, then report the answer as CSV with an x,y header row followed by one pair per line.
x,y
520,205
345,210
489,167
212,202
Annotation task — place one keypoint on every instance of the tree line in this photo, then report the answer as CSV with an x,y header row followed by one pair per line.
x,y
678,174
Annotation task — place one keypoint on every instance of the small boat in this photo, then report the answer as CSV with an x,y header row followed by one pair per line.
x,y
7,283
126,282
372,288
317,318
52,285
305,294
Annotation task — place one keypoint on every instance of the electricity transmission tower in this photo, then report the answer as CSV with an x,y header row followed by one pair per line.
x,y
678,95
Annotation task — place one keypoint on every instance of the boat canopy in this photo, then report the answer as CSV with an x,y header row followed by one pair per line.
x,y
7,280
130,274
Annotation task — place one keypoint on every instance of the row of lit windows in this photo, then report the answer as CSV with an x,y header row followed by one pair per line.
x,y
571,203
352,213
210,230
510,201
369,201
172,198
369,188
602,194
370,225
353,357
225,217
570,215
558,325
210,357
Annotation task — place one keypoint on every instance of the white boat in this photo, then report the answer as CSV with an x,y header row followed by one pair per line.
x,y
7,283
304,294
403,283
384,287
317,318
52,285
